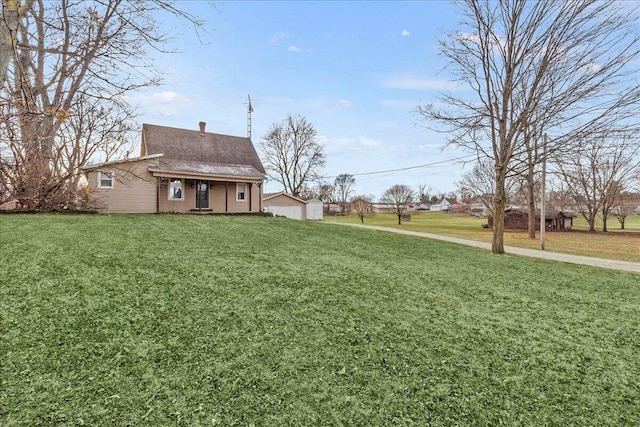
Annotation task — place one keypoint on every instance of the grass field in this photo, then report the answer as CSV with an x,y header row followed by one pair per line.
x,y
194,320
616,244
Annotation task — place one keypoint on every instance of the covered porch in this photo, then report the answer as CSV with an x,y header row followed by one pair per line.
x,y
180,193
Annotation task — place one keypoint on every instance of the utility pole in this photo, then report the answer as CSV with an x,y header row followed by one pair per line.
x,y
543,212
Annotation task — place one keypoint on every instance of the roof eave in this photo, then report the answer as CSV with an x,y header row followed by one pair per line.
x,y
181,174
120,161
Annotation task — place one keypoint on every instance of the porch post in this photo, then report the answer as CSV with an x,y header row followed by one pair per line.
x,y
158,194
226,196
259,196
250,187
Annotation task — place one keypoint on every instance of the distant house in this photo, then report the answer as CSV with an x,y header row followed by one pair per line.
x,y
381,207
283,204
180,170
478,208
518,219
332,209
444,204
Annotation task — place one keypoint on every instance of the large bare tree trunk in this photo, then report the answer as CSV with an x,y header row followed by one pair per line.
x,y
499,205
592,220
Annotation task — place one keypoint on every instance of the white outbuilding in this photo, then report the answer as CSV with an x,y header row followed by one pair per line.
x,y
283,204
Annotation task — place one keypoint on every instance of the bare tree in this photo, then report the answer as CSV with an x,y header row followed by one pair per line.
x,y
361,205
322,191
399,197
532,155
292,154
623,207
559,195
343,188
566,67
97,129
480,182
424,193
58,58
598,171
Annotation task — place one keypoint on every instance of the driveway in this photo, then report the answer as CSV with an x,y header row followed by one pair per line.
x,y
633,267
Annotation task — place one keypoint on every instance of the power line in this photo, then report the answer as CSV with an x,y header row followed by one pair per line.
x,y
464,158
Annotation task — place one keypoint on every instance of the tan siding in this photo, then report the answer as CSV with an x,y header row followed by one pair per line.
x,y
255,198
217,197
134,192
238,205
185,205
217,191
282,200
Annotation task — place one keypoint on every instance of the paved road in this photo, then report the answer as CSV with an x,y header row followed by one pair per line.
x,y
633,267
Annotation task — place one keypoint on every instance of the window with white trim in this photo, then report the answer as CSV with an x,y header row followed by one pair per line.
x,y
106,179
176,189
240,192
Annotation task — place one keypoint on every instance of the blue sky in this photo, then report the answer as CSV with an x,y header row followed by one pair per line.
x,y
356,70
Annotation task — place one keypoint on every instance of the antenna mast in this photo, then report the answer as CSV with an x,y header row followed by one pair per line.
x,y
249,111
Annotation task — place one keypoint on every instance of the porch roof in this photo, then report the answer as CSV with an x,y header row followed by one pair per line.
x,y
170,167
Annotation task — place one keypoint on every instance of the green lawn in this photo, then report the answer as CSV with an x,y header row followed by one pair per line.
x,y
195,320
617,244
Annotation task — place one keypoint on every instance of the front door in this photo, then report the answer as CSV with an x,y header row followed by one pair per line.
x,y
202,194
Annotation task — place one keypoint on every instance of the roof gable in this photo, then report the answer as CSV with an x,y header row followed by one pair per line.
x,y
269,196
187,146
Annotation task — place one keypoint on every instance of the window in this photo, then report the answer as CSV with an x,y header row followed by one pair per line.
x,y
176,190
106,180
241,189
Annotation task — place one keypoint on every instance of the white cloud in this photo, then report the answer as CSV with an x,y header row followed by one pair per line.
x,y
430,147
345,146
165,103
343,103
166,110
468,37
593,68
275,38
163,98
396,103
335,142
370,143
167,96
405,33
293,48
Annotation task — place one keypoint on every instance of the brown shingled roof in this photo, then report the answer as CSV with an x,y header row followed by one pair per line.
x,y
234,154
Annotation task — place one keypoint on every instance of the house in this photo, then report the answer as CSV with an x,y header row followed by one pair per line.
x,y
383,207
180,170
518,219
283,204
332,209
444,204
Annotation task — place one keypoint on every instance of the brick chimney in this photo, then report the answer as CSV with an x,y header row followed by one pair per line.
x,y
202,126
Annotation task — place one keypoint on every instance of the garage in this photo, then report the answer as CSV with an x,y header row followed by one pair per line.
x,y
282,204
293,212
